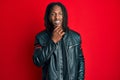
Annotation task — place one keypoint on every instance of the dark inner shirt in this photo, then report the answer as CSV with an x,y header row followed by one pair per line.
x,y
64,60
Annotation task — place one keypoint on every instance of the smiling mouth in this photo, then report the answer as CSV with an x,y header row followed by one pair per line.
x,y
57,22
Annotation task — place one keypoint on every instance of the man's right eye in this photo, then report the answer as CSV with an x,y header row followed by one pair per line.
x,y
52,14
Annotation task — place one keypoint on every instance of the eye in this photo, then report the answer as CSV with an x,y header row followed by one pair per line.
x,y
60,13
52,14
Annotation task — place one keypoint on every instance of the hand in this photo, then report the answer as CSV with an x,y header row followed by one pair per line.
x,y
57,34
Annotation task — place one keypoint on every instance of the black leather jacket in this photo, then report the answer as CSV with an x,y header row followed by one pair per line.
x,y
45,56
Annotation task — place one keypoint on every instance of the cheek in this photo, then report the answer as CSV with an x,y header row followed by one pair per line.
x,y
51,19
61,17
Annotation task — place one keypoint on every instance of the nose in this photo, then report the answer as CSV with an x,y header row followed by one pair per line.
x,y
57,16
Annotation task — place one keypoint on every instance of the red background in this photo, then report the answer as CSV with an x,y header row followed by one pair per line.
x,y
97,21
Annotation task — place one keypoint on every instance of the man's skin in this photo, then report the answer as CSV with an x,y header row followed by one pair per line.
x,y
56,17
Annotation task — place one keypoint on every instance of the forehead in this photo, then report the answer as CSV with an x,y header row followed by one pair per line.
x,y
56,8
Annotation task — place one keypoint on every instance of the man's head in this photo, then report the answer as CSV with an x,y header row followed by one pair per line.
x,y
56,15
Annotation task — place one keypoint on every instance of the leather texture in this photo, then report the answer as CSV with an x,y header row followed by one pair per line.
x,y
45,56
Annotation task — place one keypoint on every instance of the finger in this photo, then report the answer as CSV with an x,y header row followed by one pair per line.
x,y
60,30
56,28
62,33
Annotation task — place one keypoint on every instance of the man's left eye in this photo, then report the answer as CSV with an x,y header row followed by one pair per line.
x,y
60,13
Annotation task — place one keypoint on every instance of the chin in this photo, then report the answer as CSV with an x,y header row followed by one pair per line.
x,y
57,26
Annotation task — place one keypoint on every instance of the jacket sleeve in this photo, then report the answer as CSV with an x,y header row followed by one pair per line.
x,y
42,53
81,66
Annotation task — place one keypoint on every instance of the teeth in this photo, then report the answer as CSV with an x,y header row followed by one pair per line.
x,y
57,22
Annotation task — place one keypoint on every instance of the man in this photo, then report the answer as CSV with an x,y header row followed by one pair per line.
x,y
58,48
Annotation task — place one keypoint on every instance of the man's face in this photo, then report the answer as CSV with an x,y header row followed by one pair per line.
x,y
56,16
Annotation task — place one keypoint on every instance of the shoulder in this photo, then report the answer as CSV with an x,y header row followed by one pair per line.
x,y
75,35
42,37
